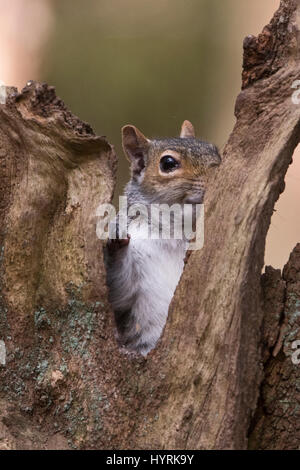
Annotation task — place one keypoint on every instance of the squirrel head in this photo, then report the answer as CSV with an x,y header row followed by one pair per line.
x,y
170,170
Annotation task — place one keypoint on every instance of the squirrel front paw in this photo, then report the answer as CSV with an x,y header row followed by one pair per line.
x,y
115,244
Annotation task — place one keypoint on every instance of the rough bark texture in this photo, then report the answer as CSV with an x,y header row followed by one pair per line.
x,y
65,383
54,174
276,422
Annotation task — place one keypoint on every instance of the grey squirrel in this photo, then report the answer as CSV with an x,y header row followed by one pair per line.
x,y
142,274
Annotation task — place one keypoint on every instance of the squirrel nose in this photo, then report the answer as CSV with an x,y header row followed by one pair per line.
x,y
195,198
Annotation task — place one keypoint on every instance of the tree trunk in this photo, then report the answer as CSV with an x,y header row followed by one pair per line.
x,y
64,382
276,421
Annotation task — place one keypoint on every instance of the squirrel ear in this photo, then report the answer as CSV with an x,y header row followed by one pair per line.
x,y
135,146
187,130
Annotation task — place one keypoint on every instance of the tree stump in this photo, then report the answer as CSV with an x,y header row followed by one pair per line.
x,y
222,370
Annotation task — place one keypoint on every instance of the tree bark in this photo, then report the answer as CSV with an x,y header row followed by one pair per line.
x,y
276,421
65,383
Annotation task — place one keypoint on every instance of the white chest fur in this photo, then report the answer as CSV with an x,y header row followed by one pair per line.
x,y
156,269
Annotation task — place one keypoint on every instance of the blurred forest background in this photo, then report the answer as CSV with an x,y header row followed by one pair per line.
x,y
152,64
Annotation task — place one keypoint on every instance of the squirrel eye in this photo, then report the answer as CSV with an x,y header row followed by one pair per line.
x,y
168,163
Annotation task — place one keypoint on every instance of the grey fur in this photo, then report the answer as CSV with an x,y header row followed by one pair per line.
x,y
143,276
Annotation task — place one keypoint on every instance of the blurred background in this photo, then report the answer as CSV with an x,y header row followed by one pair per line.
x,y
152,64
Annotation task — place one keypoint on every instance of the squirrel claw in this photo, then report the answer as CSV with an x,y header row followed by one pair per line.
x,y
117,243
